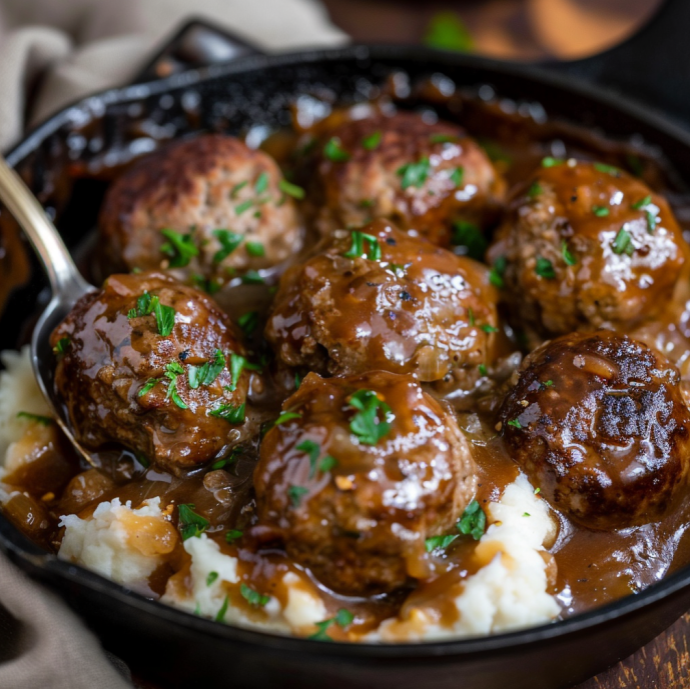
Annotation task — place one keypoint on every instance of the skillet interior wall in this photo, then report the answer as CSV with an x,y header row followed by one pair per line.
x,y
59,159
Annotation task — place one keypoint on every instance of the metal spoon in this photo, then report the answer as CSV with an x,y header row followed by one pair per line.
x,y
66,284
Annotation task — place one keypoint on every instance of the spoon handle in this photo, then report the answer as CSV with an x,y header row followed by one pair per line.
x,y
65,280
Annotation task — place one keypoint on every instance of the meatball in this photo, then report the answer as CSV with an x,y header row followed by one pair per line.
x,y
380,299
598,422
423,176
358,474
585,246
209,206
155,366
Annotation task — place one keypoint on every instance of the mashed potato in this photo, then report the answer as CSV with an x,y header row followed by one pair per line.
x,y
118,542
509,590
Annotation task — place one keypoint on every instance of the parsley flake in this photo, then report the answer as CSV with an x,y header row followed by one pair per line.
x,y
212,576
600,211
150,384
607,169
229,413
62,346
343,618
568,256
327,463
229,241
514,423
206,374
366,424
638,205
333,150
469,240
220,616
233,535
652,221
291,189
261,183
179,247
414,174
191,524
253,277
244,206
312,450
253,597
488,328
544,268
357,249
37,418
372,141
255,249
457,175
622,244
296,493
439,542
443,138
248,322
534,190
473,521
552,162
287,416
497,271
165,317
236,188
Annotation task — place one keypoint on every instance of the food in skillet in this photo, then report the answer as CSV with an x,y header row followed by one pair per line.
x,y
421,174
156,366
209,206
586,245
376,298
361,473
396,474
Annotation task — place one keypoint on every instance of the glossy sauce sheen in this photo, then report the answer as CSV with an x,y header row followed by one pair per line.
x,y
594,567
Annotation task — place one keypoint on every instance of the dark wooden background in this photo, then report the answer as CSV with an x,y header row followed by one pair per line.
x,y
532,30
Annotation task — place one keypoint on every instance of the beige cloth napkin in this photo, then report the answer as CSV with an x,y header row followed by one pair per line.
x,y
58,51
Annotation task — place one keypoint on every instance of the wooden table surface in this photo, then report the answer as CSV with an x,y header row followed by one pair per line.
x,y
527,30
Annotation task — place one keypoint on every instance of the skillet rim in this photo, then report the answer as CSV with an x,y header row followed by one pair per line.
x,y
45,565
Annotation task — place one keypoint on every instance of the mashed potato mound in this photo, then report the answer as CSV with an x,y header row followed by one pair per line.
x,y
214,587
118,542
510,590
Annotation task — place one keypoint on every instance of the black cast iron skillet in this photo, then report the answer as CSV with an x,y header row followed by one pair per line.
x,y
181,650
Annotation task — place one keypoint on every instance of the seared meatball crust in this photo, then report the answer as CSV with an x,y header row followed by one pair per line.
x,y
586,246
598,423
423,176
123,381
222,194
415,308
357,513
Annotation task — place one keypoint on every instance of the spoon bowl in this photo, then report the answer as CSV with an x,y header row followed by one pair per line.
x,y
66,284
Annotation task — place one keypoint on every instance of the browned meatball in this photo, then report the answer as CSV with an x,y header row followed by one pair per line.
x,y
421,175
146,362
586,245
597,421
218,201
363,472
390,302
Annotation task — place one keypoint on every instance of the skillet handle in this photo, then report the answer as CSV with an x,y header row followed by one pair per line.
x,y
197,43
652,66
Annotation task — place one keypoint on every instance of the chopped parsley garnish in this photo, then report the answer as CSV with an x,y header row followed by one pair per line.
x,y
207,285
547,384
651,221
443,138
607,169
165,317
622,244
228,459
237,187
255,249
469,239
220,616
514,423
359,239
287,416
253,277
367,203
470,317
457,175
439,542
237,364
600,211
544,268
144,304
333,150
244,206
342,618
447,31
312,450
366,424
253,597
229,241
638,205
63,344
172,371
212,576
298,381
150,384
473,521
261,183
291,189
552,162
229,413
248,322
327,463
526,514
482,369
534,190
37,418
568,256
179,247
488,328
208,372
191,524
296,493
537,491
414,174
232,535
497,271
398,269
372,141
